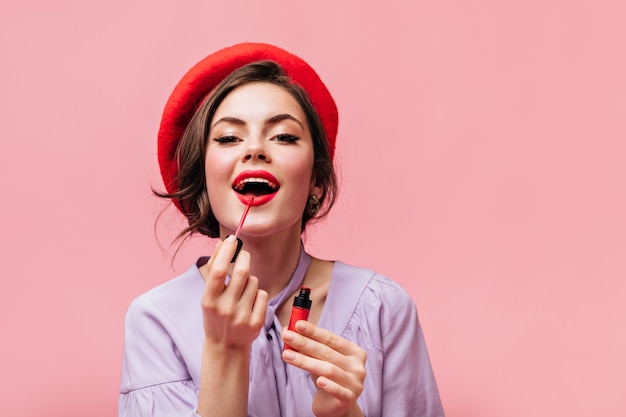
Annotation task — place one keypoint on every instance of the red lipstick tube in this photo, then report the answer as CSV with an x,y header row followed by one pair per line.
x,y
300,309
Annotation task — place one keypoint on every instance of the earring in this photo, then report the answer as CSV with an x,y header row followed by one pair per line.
x,y
313,205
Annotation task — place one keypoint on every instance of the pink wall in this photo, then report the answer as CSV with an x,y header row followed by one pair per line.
x,y
482,151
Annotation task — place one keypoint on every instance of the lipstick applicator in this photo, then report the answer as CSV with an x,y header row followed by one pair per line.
x,y
238,231
300,310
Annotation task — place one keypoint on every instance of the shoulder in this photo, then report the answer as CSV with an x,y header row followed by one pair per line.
x,y
361,299
375,289
168,297
166,312
157,330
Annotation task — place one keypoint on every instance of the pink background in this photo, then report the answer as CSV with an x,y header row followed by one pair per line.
x,y
482,151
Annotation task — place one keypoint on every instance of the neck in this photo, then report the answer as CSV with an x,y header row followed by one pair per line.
x,y
273,259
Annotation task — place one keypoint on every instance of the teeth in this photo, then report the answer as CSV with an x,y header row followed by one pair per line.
x,y
243,182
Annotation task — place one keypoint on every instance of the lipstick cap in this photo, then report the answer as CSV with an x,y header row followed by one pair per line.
x,y
302,300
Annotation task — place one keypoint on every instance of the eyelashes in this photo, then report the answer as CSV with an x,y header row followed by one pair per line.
x,y
281,138
284,137
226,139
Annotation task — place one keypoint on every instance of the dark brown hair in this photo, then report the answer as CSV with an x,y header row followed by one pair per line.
x,y
191,195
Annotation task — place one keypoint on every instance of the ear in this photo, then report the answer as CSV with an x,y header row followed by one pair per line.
x,y
315,188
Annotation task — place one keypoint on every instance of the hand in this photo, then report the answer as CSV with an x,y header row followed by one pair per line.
x,y
233,314
336,365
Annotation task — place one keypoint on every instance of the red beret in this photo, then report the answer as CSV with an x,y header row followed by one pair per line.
x,y
208,73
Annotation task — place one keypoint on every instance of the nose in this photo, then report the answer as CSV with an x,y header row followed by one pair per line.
x,y
256,150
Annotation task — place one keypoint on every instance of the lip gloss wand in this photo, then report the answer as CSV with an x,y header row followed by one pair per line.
x,y
238,231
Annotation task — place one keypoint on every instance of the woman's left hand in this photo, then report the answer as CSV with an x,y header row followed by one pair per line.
x,y
336,365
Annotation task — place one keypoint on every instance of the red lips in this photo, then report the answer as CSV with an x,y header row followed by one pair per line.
x,y
258,183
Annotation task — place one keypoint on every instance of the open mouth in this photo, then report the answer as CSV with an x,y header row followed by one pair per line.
x,y
254,186
257,183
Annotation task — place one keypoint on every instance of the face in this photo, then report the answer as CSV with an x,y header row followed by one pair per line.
x,y
259,146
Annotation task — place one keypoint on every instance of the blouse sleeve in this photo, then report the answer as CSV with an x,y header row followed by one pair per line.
x,y
155,381
172,399
409,387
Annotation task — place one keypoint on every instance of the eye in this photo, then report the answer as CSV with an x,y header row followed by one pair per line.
x,y
285,137
226,139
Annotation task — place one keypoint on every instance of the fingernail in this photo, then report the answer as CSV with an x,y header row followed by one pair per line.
x,y
230,238
321,381
289,336
239,245
289,355
301,326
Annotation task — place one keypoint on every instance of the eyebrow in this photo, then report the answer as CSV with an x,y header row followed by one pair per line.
x,y
284,116
232,120
272,120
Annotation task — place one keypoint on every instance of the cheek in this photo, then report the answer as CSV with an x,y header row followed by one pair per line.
x,y
216,171
301,173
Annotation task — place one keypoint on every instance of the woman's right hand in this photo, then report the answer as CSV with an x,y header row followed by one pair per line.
x,y
233,314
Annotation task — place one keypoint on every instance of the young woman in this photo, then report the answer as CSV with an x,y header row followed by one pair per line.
x,y
252,127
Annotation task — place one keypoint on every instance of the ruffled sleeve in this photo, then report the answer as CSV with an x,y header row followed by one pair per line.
x,y
172,399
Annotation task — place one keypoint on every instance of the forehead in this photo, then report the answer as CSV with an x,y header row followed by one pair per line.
x,y
259,99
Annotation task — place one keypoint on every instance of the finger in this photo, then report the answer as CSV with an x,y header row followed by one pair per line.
x,y
226,252
352,362
313,355
259,308
218,266
329,339
313,365
338,391
239,278
351,380
249,291
213,286
240,309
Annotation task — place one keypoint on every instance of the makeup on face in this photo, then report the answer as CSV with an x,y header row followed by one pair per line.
x,y
300,310
240,226
262,184
259,145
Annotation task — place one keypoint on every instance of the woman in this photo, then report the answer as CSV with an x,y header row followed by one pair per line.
x,y
252,126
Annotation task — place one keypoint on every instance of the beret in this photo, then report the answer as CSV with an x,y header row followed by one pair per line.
x,y
209,72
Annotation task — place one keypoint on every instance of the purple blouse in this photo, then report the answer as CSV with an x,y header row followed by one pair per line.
x,y
164,336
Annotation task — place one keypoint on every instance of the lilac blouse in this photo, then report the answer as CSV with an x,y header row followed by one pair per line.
x,y
164,336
